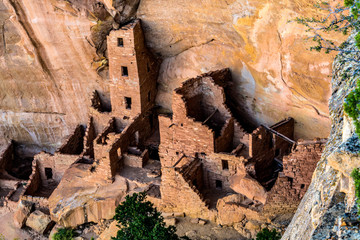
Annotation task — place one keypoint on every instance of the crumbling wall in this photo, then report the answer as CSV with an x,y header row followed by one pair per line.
x,y
301,163
110,146
58,163
90,135
224,143
136,161
101,139
34,181
193,172
240,135
184,136
141,126
219,167
74,144
286,128
261,149
295,179
180,195
40,202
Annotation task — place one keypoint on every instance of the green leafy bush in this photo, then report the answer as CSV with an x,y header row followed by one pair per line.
x,y
266,234
356,177
352,107
139,220
64,234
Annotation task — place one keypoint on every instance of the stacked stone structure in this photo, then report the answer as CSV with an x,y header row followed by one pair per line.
x,y
211,167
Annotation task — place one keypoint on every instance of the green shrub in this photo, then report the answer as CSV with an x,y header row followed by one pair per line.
x,y
356,177
266,234
352,107
139,220
64,234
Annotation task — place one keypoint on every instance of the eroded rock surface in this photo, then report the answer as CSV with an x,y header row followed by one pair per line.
x,y
340,157
48,60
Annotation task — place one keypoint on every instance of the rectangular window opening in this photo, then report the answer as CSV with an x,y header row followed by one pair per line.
x,y
218,184
48,173
225,164
120,42
149,96
127,103
148,67
124,71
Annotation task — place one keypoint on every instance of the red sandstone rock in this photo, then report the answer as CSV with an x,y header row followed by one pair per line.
x,y
22,212
246,185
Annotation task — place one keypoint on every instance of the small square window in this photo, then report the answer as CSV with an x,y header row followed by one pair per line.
x,y
218,184
225,164
48,173
120,42
127,103
124,71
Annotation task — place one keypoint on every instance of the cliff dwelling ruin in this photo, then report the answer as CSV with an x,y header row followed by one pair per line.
x,y
197,160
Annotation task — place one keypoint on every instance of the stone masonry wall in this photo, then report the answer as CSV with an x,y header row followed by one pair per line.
x,y
177,138
58,163
224,143
214,169
180,195
133,71
295,179
261,150
285,127
90,135
34,181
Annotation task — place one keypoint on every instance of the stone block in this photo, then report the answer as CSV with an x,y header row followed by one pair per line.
x,y
39,221
170,221
22,212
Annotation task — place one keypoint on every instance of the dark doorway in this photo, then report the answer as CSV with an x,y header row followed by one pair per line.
x,y
127,103
218,184
48,173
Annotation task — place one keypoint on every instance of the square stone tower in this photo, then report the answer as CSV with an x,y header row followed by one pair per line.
x,y
133,71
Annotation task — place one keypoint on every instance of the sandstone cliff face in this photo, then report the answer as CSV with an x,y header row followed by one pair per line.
x,y
47,76
340,157
46,73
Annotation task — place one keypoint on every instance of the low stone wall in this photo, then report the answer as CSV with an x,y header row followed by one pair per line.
x,y
34,181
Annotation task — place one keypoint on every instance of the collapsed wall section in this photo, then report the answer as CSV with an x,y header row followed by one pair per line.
x,y
295,179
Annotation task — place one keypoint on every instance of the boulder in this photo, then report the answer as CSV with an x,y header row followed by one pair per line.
x,y
231,209
22,212
88,200
39,221
170,221
249,187
109,232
